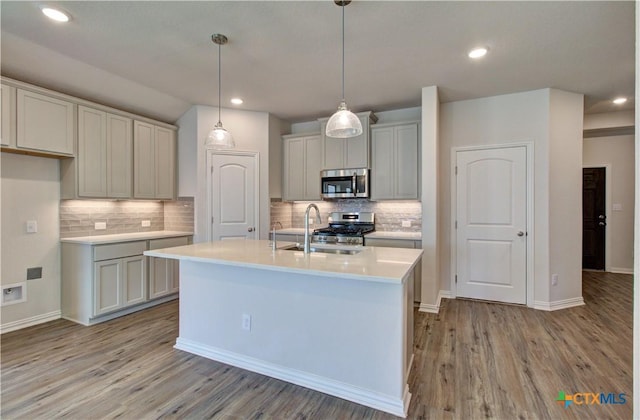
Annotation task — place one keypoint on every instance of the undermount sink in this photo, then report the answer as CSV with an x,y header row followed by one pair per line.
x,y
338,251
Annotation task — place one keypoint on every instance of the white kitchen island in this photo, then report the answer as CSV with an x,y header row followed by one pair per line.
x,y
339,324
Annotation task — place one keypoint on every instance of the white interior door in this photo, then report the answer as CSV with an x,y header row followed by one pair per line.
x,y
233,202
491,216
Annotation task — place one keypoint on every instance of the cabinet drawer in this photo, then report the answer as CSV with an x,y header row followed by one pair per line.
x,y
168,242
120,250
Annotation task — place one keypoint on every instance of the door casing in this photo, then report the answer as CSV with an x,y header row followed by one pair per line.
x,y
529,206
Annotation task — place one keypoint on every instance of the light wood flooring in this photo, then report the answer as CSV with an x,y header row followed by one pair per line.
x,y
472,360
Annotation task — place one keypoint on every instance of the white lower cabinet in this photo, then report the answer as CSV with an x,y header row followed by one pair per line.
x,y
105,281
119,283
164,274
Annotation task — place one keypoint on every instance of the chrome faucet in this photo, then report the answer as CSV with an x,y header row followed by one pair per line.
x,y
274,246
307,238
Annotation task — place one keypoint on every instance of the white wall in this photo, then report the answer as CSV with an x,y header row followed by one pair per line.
x,y
251,132
522,118
276,129
30,190
617,153
187,150
608,120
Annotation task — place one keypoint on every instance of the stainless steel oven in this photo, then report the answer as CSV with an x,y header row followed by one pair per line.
x,y
345,183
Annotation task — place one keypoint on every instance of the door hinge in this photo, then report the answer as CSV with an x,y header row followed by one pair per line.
x,y
456,279
212,170
211,219
456,224
456,170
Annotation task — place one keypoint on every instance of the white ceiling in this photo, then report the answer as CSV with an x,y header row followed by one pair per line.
x,y
283,57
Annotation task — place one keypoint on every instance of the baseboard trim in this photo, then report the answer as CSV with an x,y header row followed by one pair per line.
x,y
558,304
618,270
30,322
395,406
434,309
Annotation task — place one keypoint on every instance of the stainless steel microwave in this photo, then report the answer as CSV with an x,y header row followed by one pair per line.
x,y
345,183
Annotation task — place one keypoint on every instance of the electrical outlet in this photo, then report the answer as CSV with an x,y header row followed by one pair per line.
x,y
146,223
406,223
100,225
554,279
246,322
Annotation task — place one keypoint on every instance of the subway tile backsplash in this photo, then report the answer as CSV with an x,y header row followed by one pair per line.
x,y
389,214
78,217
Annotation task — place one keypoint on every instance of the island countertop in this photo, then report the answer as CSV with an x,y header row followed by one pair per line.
x,y
378,264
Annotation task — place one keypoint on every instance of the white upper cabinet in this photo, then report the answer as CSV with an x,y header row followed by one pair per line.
x,y
347,153
8,112
154,160
44,123
105,150
301,167
395,162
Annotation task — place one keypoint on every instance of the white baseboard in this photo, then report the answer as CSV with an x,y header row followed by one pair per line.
x,y
619,270
558,304
29,322
434,309
396,406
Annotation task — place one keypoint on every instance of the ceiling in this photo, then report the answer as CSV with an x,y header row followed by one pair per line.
x,y
284,57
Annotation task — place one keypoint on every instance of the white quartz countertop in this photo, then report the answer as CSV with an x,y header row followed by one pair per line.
x,y
410,236
124,237
378,264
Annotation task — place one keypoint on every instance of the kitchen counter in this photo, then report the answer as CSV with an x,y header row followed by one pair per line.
x,y
370,264
339,324
124,237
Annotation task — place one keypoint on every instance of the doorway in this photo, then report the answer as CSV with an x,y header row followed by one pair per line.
x,y
491,227
232,195
594,218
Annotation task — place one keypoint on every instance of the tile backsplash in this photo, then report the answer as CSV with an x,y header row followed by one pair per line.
x,y
78,217
389,214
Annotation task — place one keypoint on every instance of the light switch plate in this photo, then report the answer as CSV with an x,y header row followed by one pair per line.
x,y
617,207
406,223
100,225
32,226
146,223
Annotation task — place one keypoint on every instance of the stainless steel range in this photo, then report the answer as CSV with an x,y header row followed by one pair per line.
x,y
347,228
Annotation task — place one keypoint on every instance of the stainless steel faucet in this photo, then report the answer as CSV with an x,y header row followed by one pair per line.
x,y
274,246
307,238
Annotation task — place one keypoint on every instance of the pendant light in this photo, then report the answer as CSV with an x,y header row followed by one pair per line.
x,y
343,123
219,138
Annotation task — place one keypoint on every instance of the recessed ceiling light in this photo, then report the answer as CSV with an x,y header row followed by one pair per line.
x,y
237,101
478,52
619,101
55,14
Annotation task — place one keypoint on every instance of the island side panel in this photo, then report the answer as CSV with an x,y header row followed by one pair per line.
x,y
345,333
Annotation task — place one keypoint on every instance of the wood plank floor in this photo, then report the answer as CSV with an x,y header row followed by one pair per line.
x,y
472,360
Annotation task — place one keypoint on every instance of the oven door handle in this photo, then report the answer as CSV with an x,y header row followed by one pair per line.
x,y
353,184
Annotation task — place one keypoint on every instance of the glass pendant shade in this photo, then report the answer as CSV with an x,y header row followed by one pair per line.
x,y
219,138
343,123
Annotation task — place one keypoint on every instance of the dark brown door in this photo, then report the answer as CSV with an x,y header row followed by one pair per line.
x,y
594,218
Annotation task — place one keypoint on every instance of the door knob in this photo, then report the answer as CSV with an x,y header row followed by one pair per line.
x,y
602,224
602,217
250,229
520,233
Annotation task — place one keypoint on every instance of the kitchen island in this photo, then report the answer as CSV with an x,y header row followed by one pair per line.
x,y
339,324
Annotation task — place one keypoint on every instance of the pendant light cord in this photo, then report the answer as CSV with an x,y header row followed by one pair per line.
x,y
220,82
343,51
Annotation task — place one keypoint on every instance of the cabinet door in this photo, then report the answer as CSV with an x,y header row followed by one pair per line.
x,y
159,277
165,156
382,167
174,281
119,156
406,162
293,165
313,165
8,112
92,153
333,155
44,123
357,148
144,170
134,281
107,292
